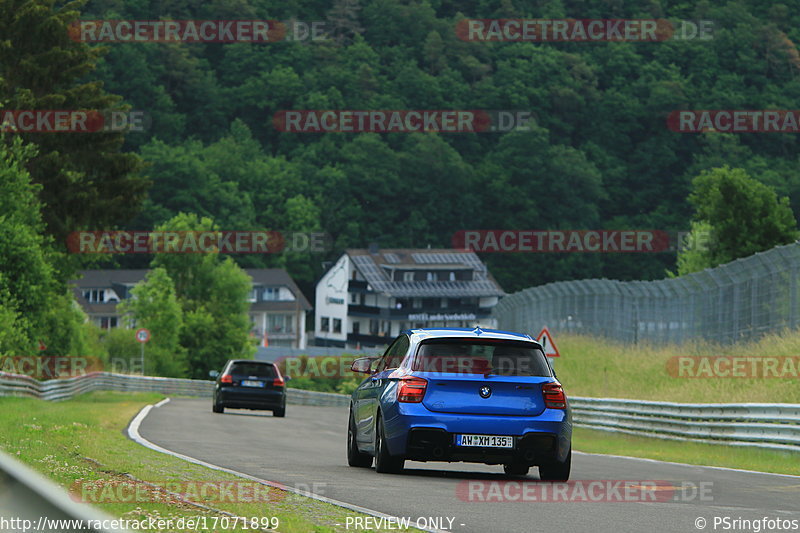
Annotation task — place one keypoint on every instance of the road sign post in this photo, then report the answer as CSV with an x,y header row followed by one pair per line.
x,y
545,338
142,335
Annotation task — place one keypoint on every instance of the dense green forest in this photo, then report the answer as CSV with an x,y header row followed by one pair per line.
x,y
599,154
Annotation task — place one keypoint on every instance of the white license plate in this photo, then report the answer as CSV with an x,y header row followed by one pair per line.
x,y
249,383
485,441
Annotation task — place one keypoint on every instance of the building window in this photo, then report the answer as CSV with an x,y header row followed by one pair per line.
x,y
356,328
416,303
271,294
445,302
431,276
373,326
324,324
108,322
95,295
280,323
353,298
337,325
253,296
452,276
408,276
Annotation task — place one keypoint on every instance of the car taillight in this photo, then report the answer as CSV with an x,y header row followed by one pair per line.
x,y
227,378
554,397
411,389
278,382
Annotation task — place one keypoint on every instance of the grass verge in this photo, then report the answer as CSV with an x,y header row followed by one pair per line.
x,y
82,441
746,458
603,369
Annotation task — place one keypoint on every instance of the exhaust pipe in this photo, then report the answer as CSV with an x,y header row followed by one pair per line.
x,y
529,455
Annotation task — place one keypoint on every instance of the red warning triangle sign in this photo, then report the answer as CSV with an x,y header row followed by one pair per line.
x,y
546,340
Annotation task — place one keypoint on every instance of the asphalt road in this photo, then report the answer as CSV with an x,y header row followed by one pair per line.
x,y
307,449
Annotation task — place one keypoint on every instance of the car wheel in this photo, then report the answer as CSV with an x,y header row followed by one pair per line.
x,y
355,457
217,407
385,463
279,412
516,469
556,471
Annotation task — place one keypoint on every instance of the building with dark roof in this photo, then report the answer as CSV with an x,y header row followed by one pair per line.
x,y
369,296
277,307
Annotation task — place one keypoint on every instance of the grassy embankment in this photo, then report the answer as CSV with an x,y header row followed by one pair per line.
x,y
82,440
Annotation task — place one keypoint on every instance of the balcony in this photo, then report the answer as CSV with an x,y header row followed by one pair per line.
x,y
384,313
355,285
363,310
368,340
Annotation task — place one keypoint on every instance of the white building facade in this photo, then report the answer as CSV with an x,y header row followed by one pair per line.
x,y
368,297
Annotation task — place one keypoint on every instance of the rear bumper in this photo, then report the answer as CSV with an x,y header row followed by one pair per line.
x,y
414,432
250,398
533,448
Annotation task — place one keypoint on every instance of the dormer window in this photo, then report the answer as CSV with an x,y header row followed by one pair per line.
x,y
94,296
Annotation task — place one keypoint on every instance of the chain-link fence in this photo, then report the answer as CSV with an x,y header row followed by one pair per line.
x,y
740,300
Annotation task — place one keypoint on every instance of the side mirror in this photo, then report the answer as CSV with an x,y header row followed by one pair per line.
x,y
287,378
213,373
362,365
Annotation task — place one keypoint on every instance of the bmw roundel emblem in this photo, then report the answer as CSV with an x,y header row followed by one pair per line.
x,y
485,391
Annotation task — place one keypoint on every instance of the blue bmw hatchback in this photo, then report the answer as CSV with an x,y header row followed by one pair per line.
x,y
481,396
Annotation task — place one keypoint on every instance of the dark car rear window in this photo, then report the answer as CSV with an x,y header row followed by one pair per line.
x,y
481,357
261,370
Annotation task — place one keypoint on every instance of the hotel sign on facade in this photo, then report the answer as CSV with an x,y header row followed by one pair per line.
x,y
442,316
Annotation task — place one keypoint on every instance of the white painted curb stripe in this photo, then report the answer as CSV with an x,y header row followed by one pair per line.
x,y
133,433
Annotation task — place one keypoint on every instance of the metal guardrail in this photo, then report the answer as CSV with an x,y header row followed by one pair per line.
x,y
30,502
762,425
62,389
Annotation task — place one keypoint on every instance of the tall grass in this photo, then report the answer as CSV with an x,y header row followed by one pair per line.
x,y
601,368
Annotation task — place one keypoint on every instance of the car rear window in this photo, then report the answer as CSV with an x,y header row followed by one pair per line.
x,y
481,357
261,370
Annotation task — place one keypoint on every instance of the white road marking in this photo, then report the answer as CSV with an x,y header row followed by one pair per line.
x,y
133,433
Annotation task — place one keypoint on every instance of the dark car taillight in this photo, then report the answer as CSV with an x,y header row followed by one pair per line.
x,y
278,382
554,397
411,389
227,378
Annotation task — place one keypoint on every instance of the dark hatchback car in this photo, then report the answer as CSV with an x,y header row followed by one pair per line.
x,y
248,384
